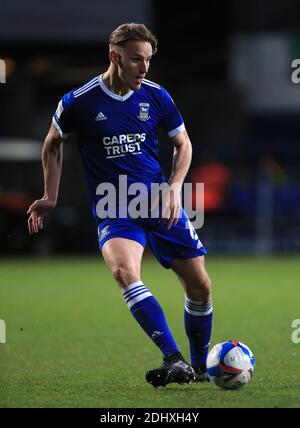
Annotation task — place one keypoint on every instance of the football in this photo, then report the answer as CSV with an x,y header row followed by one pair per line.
x,y
230,364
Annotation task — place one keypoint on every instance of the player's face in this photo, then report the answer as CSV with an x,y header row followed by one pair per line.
x,y
133,63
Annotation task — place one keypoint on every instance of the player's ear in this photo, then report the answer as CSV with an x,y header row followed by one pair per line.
x,y
113,57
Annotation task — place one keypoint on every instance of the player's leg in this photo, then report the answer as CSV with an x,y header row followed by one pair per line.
x,y
123,257
179,248
198,309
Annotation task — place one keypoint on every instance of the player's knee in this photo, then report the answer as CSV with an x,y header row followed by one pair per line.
x,y
124,275
200,289
206,288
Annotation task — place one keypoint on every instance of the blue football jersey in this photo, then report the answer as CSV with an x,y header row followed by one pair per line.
x,y
117,135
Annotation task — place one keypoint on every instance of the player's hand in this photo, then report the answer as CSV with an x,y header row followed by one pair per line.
x,y
171,206
37,211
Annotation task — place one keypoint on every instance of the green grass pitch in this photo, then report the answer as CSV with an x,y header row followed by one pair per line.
x,y
71,341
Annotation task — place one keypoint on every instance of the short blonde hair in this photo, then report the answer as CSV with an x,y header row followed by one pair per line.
x,y
132,32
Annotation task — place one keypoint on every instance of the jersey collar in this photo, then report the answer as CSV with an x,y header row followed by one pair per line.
x,y
112,94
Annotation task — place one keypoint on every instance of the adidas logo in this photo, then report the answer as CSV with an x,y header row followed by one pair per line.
x,y
100,116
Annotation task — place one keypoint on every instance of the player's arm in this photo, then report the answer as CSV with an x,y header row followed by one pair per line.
x,y
182,157
181,162
52,156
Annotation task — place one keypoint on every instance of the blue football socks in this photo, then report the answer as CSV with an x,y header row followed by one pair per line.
x,y
149,314
198,326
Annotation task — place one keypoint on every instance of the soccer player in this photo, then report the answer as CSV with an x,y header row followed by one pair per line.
x,y
116,116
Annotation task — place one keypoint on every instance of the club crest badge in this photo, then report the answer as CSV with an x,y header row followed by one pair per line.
x,y
144,111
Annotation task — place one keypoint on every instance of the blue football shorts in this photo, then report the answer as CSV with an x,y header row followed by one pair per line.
x,y
180,241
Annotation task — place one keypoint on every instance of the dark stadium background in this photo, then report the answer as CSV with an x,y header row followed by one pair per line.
x,y
228,67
